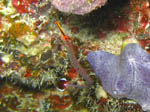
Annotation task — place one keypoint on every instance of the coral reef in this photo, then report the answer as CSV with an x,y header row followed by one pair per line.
x,y
35,64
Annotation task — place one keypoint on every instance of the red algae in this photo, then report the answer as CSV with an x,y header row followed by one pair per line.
x,y
101,35
28,73
142,12
145,43
72,73
22,6
60,103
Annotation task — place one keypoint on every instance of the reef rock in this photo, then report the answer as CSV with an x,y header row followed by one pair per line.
x,y
79,7
126,75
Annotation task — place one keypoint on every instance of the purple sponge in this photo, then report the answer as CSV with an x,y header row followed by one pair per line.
x,y
126,75
79,7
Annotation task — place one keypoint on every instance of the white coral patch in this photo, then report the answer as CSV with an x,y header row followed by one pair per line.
x,y
7,58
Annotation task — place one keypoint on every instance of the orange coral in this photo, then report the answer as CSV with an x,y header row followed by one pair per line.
x,y
19,29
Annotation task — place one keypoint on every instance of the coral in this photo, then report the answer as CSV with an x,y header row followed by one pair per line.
x,y
79,7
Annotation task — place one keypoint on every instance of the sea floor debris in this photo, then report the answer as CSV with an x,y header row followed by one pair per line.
x,y
33,59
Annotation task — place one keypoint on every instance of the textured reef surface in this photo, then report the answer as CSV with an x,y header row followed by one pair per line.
x,y
35,64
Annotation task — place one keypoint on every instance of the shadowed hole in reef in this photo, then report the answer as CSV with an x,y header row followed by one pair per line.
x,y
110,11
104,17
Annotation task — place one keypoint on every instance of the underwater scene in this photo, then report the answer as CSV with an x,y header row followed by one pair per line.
x,y
74,55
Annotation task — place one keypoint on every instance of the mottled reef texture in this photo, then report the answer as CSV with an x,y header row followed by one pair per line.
x,y
34,60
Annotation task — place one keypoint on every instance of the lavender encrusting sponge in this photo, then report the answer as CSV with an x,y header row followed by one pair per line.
x,y
79,7
126,75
